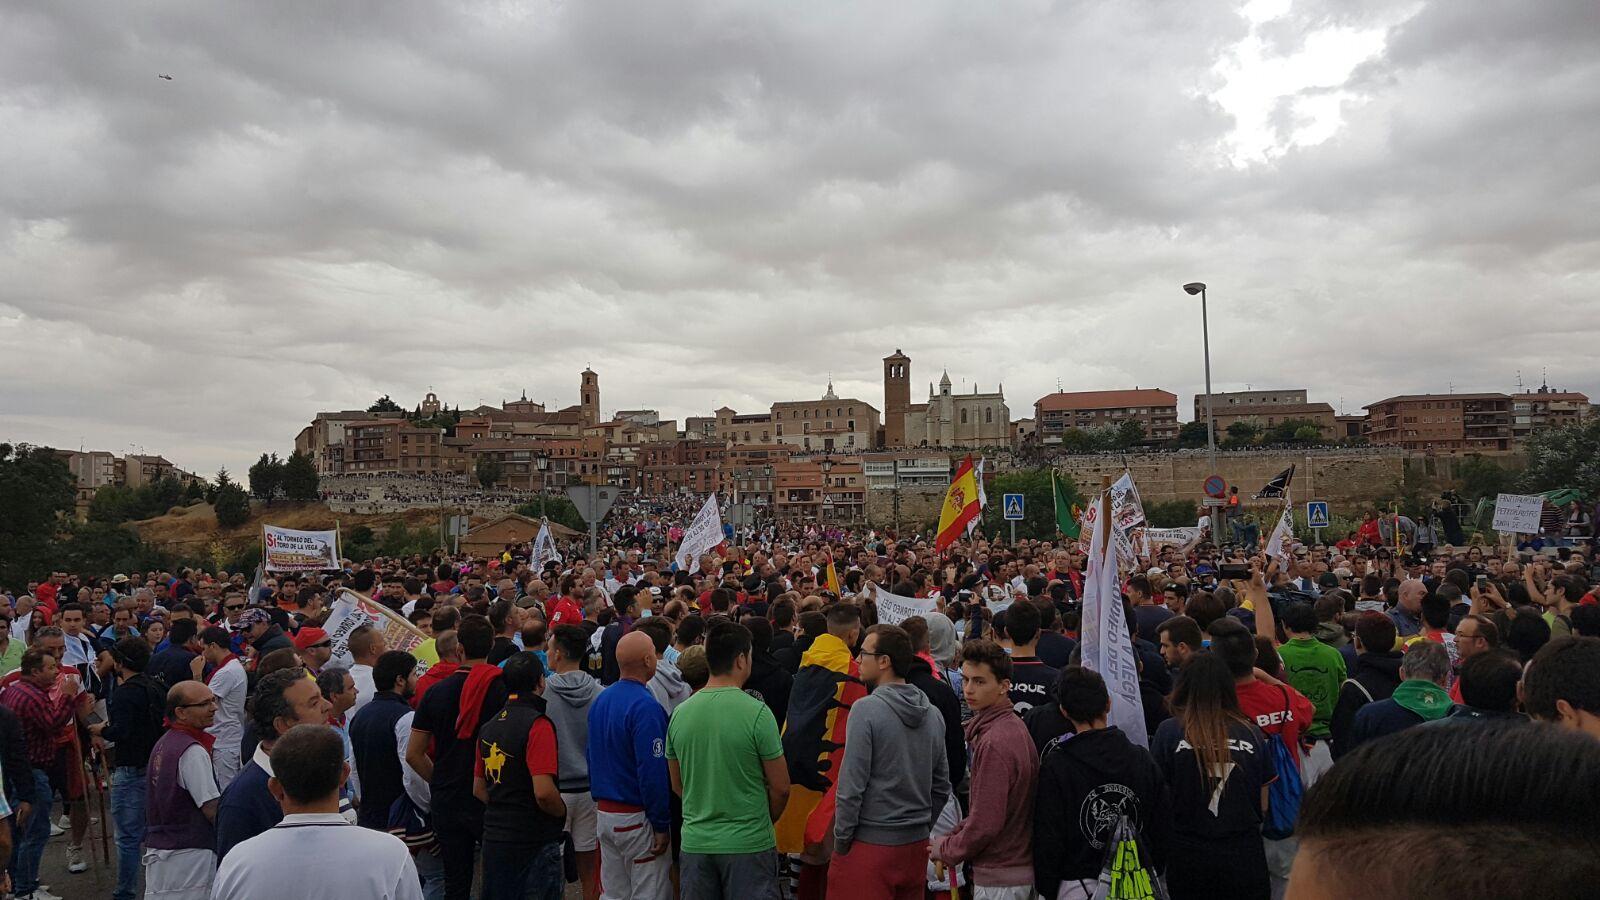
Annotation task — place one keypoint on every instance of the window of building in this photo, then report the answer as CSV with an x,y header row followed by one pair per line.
x,y
988,415
963,416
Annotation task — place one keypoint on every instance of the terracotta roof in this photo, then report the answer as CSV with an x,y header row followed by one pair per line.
x,y
1552,395
1063,400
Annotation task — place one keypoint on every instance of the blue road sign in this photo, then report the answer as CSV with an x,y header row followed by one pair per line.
x,y
1317,514
1013,507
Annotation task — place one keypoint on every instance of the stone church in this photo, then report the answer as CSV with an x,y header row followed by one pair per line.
x,y
966,420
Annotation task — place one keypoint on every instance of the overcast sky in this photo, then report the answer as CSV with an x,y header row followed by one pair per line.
x,y
722,203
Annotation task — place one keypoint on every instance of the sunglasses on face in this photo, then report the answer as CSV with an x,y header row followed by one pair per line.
x,y
233,607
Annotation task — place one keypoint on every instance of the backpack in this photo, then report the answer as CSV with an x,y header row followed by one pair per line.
x,y
1283,795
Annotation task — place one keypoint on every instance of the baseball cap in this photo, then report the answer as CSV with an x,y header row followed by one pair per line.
x,y
306,638
251,617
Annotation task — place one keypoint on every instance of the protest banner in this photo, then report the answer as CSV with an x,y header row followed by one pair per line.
x,y
1106,645
289,550
1282,537
894,609
703,534
1181,538
352,610
1517,513
544,549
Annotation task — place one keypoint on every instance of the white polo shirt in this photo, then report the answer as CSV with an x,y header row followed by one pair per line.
x,y
309,855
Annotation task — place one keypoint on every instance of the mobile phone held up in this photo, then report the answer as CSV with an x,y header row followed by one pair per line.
x,y
1234,571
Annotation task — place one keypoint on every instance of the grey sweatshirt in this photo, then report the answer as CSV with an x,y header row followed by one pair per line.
x,y
567,696
895,778
668,686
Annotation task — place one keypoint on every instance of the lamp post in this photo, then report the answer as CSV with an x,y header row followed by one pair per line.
x,y
542,463
1192,288
826,466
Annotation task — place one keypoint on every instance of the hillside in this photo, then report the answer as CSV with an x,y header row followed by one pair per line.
x,y
191,528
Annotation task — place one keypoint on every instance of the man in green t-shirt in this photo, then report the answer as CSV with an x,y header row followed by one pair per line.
x,y
726,761
1318,671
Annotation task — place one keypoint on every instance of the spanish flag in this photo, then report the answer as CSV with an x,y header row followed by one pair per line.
x,y
832,578
960,506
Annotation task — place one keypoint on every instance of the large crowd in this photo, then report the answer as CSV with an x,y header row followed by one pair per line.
x,y
1377,717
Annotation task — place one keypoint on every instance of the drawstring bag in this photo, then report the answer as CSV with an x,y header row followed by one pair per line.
x,y
1128,873
1283,796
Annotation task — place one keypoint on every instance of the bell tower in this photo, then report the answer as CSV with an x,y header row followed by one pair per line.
x,y
896,398
589,397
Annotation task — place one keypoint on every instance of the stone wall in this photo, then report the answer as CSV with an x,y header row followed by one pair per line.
x,y
1345,478
918,506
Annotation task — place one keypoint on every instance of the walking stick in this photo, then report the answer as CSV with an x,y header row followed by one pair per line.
x,y
102,785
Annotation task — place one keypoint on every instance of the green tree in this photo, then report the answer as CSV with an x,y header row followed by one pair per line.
x,y
37,494
1241,434
1130,434
1566,457
193,491
488,470
385,405
359,543
1170,513
1480,476
112,504
266,477
1039,511
99,548
1308,434
300,477
232,505
558,508
1192,434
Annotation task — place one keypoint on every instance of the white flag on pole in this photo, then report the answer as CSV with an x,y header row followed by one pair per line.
x,y
1282,537
704,533
983,497
544,549
1127,514
1107,648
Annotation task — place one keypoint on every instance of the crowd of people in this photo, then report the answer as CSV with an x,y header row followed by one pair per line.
x,y
1336,721
390,493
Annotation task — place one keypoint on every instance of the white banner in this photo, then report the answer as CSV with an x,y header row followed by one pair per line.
x,y
1517,513
1107,648
351,611
704,533
1181,538
288,550
894,609
544,549
1282,537
1127,511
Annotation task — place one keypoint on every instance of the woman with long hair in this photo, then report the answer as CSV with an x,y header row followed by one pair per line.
x,y
1217,767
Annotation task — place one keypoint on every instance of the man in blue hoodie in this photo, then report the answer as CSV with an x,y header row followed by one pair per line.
x,y
628,778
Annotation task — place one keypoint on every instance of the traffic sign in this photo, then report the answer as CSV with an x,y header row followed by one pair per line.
x,y
1013,507
1317,514
1213,502
1215,487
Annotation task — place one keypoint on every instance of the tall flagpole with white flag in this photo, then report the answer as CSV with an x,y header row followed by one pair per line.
x,y
1107,647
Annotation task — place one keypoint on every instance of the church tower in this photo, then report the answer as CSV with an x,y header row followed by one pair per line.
x,y
896,398
589,394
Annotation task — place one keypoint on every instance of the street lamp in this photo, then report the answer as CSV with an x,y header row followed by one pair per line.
x,y
1192,288
542,463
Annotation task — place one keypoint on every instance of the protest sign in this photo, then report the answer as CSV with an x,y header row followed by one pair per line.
x,y
352,610
894,609
1181,538
544,549
1518,513
289,550
704,533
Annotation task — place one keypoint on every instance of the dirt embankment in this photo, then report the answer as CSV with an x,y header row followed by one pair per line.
x,y
189,528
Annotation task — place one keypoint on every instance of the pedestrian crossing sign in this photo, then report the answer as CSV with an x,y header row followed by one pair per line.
x,y
1317,514
1013,507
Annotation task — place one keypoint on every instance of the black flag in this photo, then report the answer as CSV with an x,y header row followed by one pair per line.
x,y
1278,487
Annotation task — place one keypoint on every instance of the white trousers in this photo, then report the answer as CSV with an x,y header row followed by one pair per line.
x,y
179,874
628,871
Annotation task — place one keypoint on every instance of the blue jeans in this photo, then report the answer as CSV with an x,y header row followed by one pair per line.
x,y
431,869
30,844
521,872
127,813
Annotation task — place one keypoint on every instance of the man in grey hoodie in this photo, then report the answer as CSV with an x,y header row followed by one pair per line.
x,y
667,685
567,694
893,782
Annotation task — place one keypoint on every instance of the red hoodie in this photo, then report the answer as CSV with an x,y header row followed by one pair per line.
x,y
997,834
438,672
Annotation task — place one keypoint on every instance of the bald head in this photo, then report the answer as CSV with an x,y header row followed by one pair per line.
x,y
190,703
636,657
1411,593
